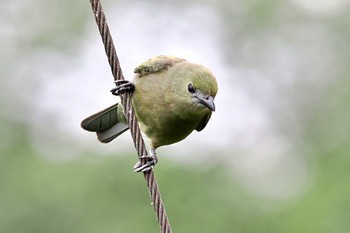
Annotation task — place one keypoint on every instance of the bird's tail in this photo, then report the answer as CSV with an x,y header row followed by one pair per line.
x,y
108,123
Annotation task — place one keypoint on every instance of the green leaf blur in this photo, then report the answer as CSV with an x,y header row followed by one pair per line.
x,y
290,58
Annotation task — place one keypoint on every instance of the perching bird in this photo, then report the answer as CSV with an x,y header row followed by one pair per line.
x,y
171,97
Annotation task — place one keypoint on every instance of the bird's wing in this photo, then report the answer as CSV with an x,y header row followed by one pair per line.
x,y
157,64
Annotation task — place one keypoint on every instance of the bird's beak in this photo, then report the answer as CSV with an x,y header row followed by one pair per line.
x,y
207,101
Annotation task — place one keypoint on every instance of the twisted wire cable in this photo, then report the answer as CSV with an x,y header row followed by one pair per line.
x,y
139,144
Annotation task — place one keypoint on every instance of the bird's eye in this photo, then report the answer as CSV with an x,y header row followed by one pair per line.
x,y
191,88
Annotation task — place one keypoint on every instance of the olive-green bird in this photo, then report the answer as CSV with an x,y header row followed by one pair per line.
x,y
171,97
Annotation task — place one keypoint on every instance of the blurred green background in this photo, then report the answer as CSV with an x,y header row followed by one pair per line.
x,y
273,158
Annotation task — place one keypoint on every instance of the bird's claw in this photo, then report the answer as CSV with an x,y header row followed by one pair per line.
x,y
150,161
122,86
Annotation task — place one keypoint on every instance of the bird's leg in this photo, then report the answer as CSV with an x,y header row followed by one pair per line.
x,y
150,161
123,86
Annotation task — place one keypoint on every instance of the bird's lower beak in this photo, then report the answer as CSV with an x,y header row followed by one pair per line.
x,y
207,101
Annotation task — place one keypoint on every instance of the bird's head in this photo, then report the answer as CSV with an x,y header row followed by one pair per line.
x,y
202,87
206,100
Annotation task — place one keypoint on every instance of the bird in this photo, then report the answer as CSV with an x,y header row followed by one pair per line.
x,y
171,97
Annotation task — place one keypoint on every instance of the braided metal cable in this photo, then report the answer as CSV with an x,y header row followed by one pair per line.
x,y
113,60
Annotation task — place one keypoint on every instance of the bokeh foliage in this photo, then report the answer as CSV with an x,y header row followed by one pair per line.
x,y
98,192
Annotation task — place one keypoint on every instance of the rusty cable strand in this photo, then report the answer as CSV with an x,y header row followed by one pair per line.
x,y
139,144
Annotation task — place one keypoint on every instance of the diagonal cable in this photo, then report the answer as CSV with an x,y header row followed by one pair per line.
x,y
113,60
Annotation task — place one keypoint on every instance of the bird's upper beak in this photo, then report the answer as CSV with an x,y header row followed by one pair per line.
x,y
207,101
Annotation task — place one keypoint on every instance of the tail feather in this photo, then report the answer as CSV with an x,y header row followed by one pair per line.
x,y
110,134
108,123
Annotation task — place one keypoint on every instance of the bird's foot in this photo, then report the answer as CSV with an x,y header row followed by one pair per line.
x,y
123,86
150,161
